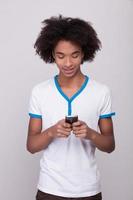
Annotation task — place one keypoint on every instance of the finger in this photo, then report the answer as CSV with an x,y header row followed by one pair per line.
x,y
61,135
77,128
81,136
81,131
68,129
64,132
78,123
67,125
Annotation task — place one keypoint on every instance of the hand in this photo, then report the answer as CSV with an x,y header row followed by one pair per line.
x,y
81,130
60,129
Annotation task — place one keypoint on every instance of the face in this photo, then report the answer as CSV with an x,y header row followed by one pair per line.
x,y
68,57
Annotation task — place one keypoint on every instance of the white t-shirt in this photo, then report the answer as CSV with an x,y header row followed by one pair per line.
x,y
68,166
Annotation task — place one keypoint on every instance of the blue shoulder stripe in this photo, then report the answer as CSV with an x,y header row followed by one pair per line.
x,y
35,116
107,115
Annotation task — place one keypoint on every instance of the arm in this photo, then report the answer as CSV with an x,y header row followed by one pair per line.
x,y
104,141
37,140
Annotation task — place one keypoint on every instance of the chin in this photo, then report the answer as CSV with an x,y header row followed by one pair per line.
x,y
69,75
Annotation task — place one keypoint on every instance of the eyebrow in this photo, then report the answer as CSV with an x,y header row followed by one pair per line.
x,y
58,52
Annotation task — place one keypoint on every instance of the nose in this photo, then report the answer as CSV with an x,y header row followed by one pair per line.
x,y
68,62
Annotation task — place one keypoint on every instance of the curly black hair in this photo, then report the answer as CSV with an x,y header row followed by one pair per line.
x,y
75,30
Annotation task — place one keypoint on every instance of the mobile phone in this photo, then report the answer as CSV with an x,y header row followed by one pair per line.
x,y
71,119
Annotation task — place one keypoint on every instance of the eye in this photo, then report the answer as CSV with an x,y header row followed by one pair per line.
x,y
60,56
75,55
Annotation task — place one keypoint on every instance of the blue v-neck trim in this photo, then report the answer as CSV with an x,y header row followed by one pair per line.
x,y
69,100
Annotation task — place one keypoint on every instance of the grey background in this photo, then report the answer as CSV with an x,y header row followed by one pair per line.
x,y
20,70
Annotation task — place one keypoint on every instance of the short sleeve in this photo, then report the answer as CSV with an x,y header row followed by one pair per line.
x,y
106,104
34,104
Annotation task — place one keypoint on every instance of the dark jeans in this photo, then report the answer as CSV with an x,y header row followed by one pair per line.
x,y
45,196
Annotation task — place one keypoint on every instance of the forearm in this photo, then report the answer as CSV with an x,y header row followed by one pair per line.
x,y
38,142
102,142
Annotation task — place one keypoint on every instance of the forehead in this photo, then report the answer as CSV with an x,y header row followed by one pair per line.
x,y
66,47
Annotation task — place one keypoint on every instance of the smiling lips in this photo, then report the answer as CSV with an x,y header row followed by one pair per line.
x,y
68,70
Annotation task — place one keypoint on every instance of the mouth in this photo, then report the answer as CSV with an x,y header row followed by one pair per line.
x,y
68,71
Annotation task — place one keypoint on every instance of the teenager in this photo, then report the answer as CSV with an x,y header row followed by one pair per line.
x,y
68,168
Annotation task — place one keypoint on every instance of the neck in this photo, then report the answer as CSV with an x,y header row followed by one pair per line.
x,y
75,81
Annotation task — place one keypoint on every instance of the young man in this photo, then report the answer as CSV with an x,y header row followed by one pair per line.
x,y
68,164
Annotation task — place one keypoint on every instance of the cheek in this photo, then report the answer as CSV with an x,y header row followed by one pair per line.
x,y
77,62
59,60
59,63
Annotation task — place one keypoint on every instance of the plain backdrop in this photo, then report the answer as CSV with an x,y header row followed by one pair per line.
x,y
21,69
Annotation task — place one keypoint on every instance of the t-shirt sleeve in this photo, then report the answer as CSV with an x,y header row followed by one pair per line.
x,y
34,104
106,104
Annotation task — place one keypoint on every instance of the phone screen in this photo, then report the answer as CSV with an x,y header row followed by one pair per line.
x,y
71,119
